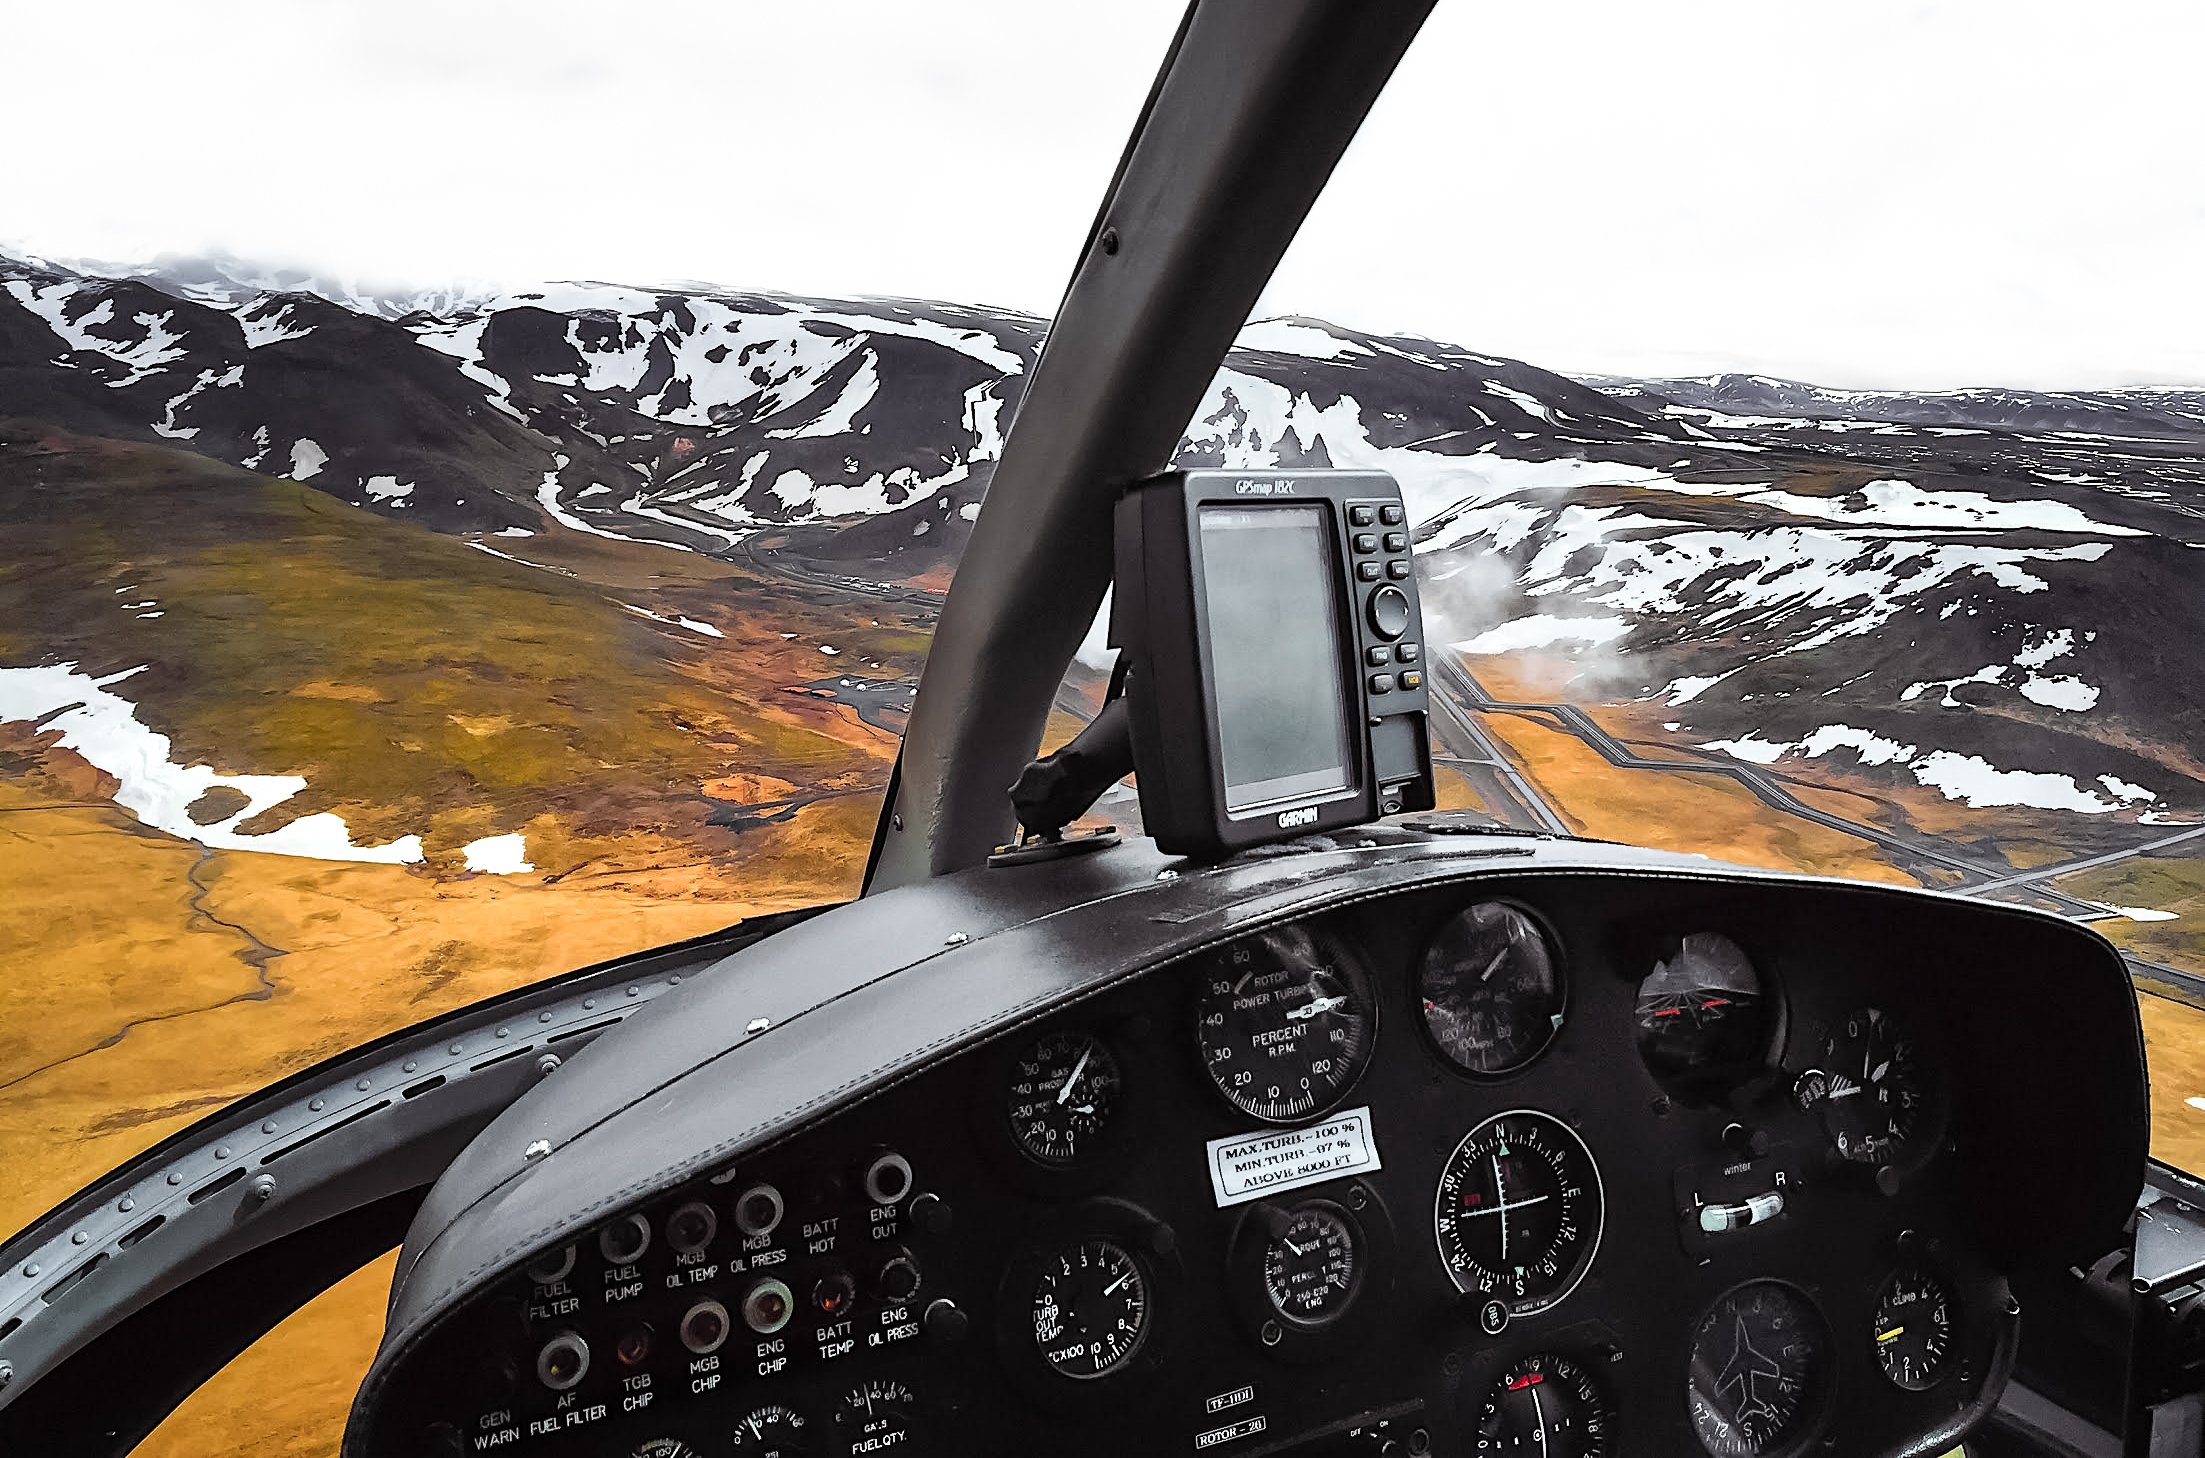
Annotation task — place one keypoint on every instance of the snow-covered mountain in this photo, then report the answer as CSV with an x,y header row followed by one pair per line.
x,y
1989,593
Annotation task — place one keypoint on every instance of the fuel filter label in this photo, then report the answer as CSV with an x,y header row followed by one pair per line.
x,y
1250,1166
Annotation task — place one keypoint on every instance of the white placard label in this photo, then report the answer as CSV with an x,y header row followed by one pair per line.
x,y
1249,1166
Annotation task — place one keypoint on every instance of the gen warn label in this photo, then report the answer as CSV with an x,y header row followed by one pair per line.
x,y
1251,1166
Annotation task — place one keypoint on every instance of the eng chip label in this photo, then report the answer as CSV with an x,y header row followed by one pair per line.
x,y
1250,1166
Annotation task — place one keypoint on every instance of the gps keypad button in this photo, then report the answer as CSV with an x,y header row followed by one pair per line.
x,y
1361,515
1366,571
1397,569
1381,683
1391,514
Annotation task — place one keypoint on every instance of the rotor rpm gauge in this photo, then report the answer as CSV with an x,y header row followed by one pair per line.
x,y
1311,1266
1491,989
1519,1210
1064,1091
1760,1371
1091,1309
1546,1406
1869,1088
1285,1023
1914,1328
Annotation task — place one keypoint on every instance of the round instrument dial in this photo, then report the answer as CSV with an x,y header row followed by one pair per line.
x,y
1519,1210
1869,1092
1491,989
1914,1328
772,1431
664,1448
1760,1371
1311,1267
1546,1406
1285,1023
1064,1092
1702,1013
875,1417
1091,1309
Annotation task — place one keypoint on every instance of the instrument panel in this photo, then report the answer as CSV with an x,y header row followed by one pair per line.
x,y
1569,1166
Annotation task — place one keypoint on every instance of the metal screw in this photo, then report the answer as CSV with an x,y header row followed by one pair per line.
x,y
318,1105
7,1374
955,939
588,1003
268,1127
453,1050
1358,1197
126,1204
1272,1335
175,1177
537,1149
264,1188
1110,241
79,1238
361,1084
635,992
410,1065
222,1151
31,1269
547,1065
758,1025
544,1016
1167,875
505,1032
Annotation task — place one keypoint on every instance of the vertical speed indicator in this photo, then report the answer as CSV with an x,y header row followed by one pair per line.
x,y
1518,1212
1285,1022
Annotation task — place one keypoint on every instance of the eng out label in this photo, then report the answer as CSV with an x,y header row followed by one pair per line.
x,y
1250,1166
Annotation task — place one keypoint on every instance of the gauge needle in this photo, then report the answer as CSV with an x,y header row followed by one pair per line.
x,y
1539,1410
1315,1006
1890,1336
1500,1194
1112,1288
1072,1078
756,1431
1492,966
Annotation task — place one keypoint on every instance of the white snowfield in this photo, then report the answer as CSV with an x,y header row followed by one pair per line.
x,y
92,329
1968,778
498,855
103,728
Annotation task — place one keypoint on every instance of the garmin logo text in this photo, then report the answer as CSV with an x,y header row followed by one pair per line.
x,y
1263,488
1288,819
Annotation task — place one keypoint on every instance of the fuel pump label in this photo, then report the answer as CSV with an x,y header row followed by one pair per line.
x,y
1251,1166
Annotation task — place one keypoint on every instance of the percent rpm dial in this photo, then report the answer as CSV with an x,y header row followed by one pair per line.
x,y
1518,1212
1064,1092
1285,1022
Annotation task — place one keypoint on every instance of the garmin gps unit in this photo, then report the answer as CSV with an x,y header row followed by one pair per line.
x,y
1273,646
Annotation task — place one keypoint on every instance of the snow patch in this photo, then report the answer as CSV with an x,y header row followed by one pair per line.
x,y
498,855
307,459
103,728
1544,631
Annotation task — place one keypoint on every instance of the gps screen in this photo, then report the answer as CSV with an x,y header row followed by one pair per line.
x,y
1269,578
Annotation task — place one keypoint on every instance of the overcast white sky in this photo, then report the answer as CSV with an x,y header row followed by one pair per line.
x,y
1869,192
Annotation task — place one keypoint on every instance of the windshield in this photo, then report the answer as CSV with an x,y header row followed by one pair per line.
x,y
368,650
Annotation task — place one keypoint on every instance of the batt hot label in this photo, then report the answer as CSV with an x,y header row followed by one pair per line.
x,y
1250,1166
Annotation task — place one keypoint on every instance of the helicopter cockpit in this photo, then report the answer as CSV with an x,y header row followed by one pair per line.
x,y
1314,1121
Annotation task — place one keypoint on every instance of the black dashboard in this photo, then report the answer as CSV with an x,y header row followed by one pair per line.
x,y
1405,1147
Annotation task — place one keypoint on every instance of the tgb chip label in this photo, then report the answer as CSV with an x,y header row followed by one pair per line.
x,y
1251,1166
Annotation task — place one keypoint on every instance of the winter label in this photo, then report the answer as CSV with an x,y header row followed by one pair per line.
x,y
1250,1166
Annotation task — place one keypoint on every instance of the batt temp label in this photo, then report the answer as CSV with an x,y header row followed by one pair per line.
x,y
1250,1166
